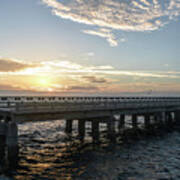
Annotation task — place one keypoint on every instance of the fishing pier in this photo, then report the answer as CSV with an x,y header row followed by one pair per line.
x,y
156,112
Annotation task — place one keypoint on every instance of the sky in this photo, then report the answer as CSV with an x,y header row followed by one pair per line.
x,y
89,46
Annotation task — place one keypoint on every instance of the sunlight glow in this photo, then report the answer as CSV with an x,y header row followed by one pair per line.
x,y
44,82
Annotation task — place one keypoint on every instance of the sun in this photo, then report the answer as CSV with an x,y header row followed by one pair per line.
x,y
44,82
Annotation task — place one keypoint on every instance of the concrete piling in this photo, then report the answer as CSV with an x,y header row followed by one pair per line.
x,y
177,117
69,126
121,124
166,118
134,121
154,119
12,144
173,117
159,120
81,129
163,117
95,131
147,122
169,119
111,129
3,131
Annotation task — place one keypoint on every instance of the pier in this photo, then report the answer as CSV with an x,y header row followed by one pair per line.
x,y
157,112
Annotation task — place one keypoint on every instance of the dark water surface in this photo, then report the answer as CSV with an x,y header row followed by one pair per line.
x,y
46,152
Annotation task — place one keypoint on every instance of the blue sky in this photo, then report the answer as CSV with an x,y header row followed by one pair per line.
x,y
131,37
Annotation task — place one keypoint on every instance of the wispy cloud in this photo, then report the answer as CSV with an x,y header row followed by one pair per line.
x,y
82,88
91,54
125,15
104,33
67,76
94,79
10,65
70,68
6,86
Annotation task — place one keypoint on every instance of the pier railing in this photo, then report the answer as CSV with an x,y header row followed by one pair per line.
x,y
100,104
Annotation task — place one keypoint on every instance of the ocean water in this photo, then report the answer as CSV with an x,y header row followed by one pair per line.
x,y
48,153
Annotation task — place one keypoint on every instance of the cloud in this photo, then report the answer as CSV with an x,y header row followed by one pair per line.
x,y
94,79
9,65
71,68
104,34
68,68
81,88
147,3
67,76
125,15
9,87
62,64
91,54
152,74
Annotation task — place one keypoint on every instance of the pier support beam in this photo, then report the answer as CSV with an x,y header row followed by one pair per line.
x,y
173,117
111,129
154,119
177,117
12,144
134,121
147,123
166,117
81,129
3,132
159,120
163,117
69,126
121,124
169,121
95,131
